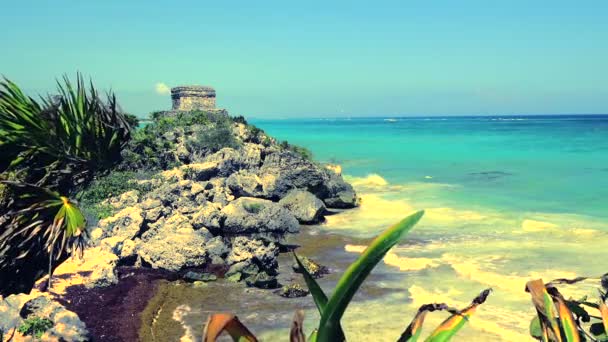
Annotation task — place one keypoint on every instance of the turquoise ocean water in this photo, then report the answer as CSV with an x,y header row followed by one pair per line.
x,y
507,199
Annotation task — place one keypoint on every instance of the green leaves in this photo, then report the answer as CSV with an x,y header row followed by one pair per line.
x,y
41,224
329,327
72,135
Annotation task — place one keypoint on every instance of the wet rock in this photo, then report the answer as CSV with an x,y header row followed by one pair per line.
x,y
344,199
293,290
199,276
314,269
306,207
248,215
262,280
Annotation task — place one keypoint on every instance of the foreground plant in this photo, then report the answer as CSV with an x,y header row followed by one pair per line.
x,y
60,141
40,224
332,309
559,319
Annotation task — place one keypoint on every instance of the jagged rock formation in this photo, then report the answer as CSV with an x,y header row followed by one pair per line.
x,y
231,207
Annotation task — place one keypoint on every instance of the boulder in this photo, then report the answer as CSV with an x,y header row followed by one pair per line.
x,y
228,161
209,216
260,252
306,207
262,280
284,170
175,246
245,184
248,215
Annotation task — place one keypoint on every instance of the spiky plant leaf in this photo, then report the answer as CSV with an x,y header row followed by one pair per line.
x,y
569,326
604,312
446,330
317,293
329,327
414,329
545,309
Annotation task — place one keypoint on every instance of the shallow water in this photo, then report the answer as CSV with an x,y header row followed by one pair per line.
x,y
507,200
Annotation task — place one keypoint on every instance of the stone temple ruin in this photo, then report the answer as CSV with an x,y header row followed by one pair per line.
x,y
186,98
189,98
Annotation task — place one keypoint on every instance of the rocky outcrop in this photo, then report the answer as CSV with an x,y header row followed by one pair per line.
x,y
228,207
284,171
306,207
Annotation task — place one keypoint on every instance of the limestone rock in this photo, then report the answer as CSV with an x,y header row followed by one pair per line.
x,y
217,250
248,215
66,324
245,184
127,199
126,223
175,249
306,207
201,171
283,171
209,216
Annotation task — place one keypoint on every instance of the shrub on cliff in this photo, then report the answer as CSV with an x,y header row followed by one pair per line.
x,y
157,145
299,150
113,184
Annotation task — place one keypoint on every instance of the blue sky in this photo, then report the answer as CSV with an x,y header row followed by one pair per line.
x,y
301,59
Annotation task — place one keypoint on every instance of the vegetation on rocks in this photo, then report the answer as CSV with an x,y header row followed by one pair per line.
x,y
35,326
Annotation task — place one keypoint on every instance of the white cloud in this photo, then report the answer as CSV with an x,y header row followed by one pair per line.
x,y
162,89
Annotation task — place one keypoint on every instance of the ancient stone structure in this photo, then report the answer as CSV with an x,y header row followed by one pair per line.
x,y
187,98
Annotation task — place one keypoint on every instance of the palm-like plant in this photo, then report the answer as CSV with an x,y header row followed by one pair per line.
x,y
39,224
60,143
62,140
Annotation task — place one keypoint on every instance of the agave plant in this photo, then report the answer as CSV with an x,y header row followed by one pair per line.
x,y
559,319
332,309
60,141
40,224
